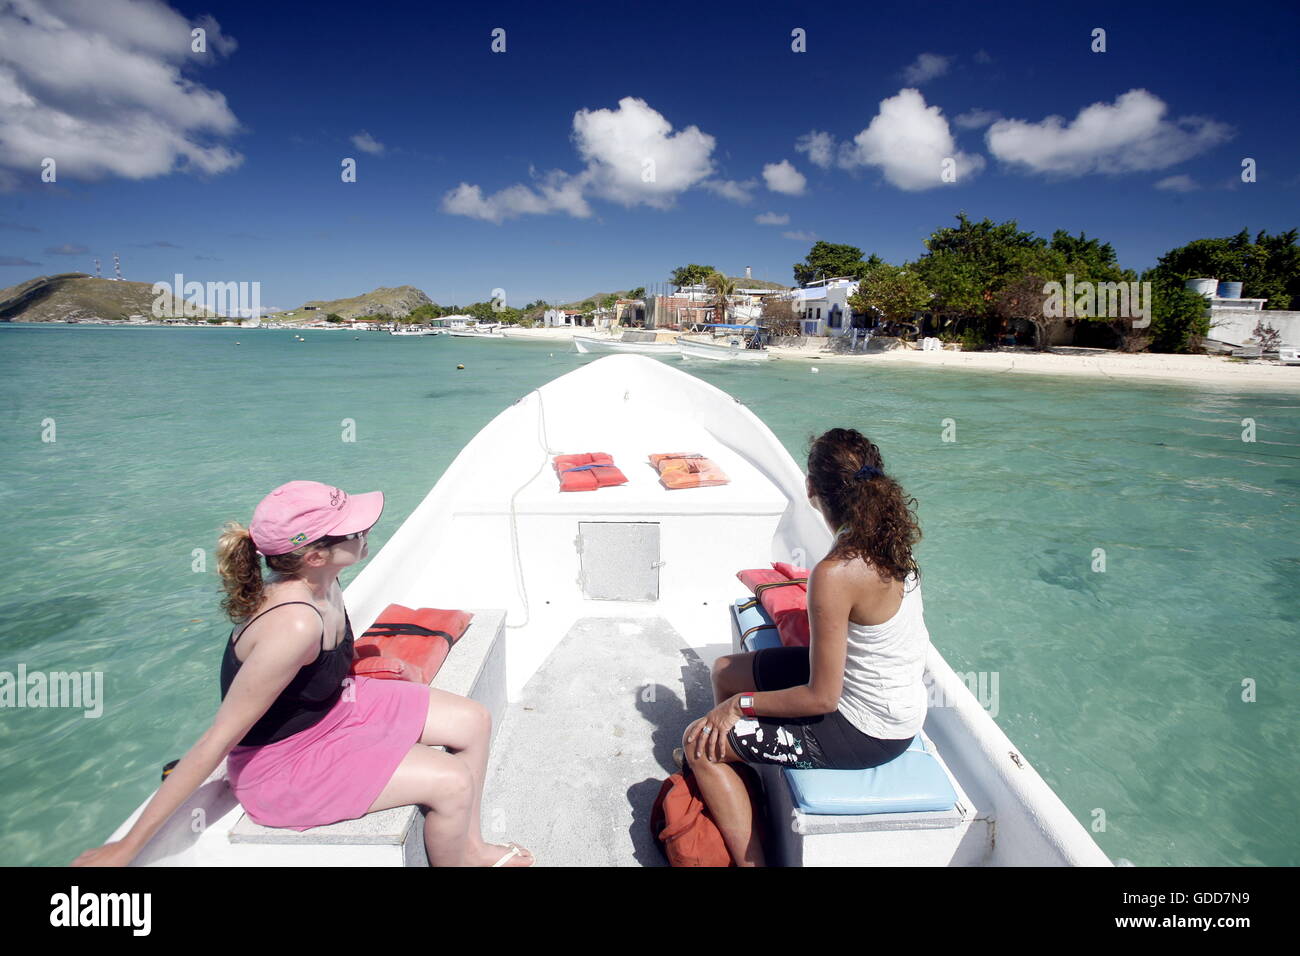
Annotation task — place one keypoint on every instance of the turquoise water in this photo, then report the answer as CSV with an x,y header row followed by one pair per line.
x,y
1122,686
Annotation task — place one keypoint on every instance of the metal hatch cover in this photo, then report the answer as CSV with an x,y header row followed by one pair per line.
x,y
619,560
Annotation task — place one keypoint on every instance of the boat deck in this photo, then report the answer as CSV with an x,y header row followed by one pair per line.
x,y
580,756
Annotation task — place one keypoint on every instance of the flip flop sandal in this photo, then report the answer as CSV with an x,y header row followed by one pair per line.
x,y
515,850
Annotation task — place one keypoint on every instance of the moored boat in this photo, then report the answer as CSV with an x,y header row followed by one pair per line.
x,y
732,348
604,611
642,343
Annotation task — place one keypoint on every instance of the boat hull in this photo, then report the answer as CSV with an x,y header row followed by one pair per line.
x,y
587,345
711,351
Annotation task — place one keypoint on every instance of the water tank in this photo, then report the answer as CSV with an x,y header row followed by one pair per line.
x,y
1203,286
1229,290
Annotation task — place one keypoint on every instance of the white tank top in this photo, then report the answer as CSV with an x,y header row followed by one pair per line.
x,y
884,691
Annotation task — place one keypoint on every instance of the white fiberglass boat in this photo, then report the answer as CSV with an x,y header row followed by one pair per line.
x,y
642,343
415,332
479,332
727,349
597,617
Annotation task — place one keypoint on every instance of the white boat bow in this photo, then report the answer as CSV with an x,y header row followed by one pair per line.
x,y
616,602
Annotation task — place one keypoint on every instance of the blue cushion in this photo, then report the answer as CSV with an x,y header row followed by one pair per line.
x,y
753,618
912,782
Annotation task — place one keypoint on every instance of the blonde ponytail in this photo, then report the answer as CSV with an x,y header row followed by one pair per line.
x,y
241,571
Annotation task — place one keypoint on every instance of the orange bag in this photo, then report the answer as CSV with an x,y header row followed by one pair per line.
x,y
587,472
681,470
683,828
785,600
406,644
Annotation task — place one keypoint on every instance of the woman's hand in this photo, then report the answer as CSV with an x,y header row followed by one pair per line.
x,y
110,854
721,719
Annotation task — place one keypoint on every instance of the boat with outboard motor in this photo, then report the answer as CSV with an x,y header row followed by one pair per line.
x,y
646,342
737,343
597,618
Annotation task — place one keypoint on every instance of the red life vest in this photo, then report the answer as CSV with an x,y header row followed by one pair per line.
x,y
406,644
587,472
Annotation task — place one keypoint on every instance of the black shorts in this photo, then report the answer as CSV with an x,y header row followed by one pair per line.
x,y
827,741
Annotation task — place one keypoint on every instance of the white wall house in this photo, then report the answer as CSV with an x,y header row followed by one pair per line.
x,y
823,307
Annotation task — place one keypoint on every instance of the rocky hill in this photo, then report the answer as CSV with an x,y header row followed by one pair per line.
x,y
76,295
393,303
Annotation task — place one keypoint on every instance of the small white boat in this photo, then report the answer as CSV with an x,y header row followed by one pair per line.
x,y
643,343
414,332
495,331
597,617
1288,356
731,348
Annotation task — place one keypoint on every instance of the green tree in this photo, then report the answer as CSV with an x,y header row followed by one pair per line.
x,y
723,288
637,293
967,266
334,317
1267,268
1179,319
895,293
690,275
827,260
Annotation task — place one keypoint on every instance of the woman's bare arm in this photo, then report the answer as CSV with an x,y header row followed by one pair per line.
x,y
830,600
271,665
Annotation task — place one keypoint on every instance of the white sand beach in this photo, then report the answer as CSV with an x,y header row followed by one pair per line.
x,y
1085,362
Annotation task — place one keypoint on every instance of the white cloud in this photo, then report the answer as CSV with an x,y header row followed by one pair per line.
x,y
67,249
772,219
820,148
801,236
925,67
1128,135
782,177
555,192
908,141
1179,184
974,119
633,157
982,56
730,189
367,143
102,89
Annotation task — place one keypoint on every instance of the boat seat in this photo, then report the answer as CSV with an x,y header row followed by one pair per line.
x,y
753,627
913,782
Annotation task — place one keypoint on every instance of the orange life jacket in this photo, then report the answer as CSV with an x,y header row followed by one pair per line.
x,y
684,470
785,599
587,472
406,644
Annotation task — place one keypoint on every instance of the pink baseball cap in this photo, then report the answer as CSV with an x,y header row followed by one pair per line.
x,y
300,512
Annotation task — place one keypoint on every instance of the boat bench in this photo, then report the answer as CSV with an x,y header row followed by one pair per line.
x,y
911,806
475,668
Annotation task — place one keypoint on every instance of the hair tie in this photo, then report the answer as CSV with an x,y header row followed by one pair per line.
x,y
868,471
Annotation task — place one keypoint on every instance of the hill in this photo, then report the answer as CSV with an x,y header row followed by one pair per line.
x,y
76,295
394,303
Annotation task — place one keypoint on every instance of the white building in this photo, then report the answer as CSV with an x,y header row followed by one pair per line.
x,y
823,306
1233,319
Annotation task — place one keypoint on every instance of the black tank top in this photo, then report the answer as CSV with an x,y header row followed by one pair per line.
x,y
307,698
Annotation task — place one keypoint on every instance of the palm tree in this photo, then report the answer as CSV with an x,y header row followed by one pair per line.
x,y
722,288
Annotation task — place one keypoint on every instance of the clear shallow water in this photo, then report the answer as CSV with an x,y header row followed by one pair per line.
x,y
1122,687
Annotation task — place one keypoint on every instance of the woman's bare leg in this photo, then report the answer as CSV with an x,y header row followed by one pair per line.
x,y
726,793
465,727
442,783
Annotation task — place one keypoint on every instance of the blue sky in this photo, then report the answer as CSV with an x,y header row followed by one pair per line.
x,y
226,166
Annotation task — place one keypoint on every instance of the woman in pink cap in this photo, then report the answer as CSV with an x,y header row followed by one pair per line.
x,y
304,743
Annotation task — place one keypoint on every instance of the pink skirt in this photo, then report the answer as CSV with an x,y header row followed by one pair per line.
x,y
335,769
